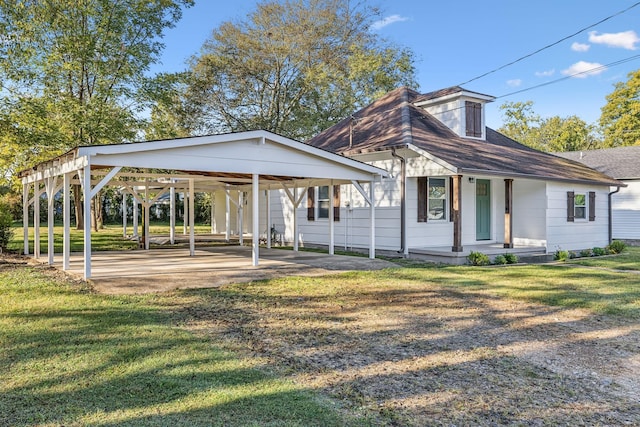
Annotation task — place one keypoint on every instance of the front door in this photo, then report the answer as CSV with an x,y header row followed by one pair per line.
x,y
483,209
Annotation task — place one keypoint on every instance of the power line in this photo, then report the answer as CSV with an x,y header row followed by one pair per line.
x,y
591,70
551,45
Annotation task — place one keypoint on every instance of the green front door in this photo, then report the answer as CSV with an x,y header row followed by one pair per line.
x,y
483,209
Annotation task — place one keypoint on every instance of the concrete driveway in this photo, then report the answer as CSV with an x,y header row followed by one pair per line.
x,y
158,270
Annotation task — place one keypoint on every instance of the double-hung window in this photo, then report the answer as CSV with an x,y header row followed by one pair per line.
x,y
436,203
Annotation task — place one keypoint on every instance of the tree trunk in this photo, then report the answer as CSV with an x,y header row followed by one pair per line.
x,y
77,200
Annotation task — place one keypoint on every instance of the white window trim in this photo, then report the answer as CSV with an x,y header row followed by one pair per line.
x,y
317,204
586,207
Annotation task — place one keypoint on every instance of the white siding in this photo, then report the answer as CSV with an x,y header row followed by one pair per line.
x,y
529,212
424,234
450,113
626,211
581,234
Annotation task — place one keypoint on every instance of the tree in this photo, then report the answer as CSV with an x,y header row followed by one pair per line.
x,y
71,73
620,117
547,134
293,67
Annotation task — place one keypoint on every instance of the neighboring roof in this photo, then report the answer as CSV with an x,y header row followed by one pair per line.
x,y
393,122
619,162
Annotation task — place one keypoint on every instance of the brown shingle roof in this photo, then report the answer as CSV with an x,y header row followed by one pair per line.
x,y
393,121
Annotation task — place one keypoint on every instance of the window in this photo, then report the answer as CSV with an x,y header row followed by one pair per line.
x,y
579,206
323,202
473,114
432,199
437,199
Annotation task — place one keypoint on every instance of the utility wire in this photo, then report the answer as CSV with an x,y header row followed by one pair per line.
x,y
551,45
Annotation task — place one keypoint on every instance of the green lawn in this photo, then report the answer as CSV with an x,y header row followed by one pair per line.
x,y
628,260
71,357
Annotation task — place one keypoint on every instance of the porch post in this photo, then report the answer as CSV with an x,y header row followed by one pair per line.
x,y
508,217
25,217
456,194
372,216
66,220
331,219
255,210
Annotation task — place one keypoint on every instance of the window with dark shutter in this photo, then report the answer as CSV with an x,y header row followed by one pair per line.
x,y
592,205
311,209
570,211
473,119
422,199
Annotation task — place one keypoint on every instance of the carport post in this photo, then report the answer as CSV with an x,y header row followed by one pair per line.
x,y
241,218
255,211
86,189
227,216
50,187
212,195
172,214
36,220
66,220
295,219
268,194
135,217
124,214
25,217
331,219
372,213
146,216
192,237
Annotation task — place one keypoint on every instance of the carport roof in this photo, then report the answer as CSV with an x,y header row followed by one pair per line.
x,y
227,158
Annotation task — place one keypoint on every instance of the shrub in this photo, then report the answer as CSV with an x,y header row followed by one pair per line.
x,y
598,251
617,246
586,253
478,258
500,260
6,233
511,258
561,255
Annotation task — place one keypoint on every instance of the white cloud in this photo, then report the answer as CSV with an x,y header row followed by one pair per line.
x,y
392,19
584,69
514,82
580,47
546,73
626,39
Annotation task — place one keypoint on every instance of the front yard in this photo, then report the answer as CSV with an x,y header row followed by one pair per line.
x,y
421,345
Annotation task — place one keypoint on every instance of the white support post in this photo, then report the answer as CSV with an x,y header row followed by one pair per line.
x,y
241,218
66,220
295,220
134,220
268,194
172,215
36,219
25,217
124,214
372,215
192,237
255,210
86,189
331,221
147,211
227,216
185,211
50,186
212,195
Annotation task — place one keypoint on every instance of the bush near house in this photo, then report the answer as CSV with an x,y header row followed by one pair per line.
x,y
478,258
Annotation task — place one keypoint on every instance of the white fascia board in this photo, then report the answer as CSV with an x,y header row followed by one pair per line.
x,y
434,159
462,94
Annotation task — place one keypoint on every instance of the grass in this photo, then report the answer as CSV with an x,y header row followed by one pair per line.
x,y
71,357
627,260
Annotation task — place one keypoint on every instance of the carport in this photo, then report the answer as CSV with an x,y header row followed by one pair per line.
x,y
245,161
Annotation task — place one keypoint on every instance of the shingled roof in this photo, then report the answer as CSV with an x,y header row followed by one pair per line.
x,y
394,122
619,162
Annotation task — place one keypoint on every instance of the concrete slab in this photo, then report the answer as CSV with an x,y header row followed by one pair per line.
x,y
159,270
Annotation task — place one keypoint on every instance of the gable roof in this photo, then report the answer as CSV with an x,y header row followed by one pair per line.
x,y
619,162
393,121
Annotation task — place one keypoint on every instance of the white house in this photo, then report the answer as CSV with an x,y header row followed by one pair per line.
x,y
455,186
622,163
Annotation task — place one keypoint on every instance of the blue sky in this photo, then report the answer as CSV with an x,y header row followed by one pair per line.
x,y
457,40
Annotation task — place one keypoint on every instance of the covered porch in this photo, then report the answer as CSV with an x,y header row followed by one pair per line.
x,y
444,254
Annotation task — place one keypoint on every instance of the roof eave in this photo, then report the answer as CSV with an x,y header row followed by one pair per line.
x,y
612,183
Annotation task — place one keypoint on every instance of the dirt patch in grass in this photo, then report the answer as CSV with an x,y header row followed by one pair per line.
x,y
411,353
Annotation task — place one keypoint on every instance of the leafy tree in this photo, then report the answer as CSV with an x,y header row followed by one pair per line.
x,y
293,67
620,117
71,72
548,134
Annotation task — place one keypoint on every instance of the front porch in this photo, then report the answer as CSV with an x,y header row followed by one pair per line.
x,y
443,254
